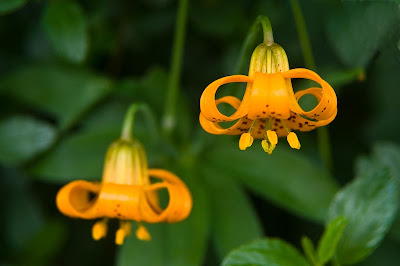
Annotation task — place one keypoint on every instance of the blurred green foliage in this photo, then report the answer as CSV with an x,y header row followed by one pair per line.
x,y
69,69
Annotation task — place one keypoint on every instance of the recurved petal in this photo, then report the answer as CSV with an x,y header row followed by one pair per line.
x,y
180,199
242,125
298,122
326,96
208,104
74,198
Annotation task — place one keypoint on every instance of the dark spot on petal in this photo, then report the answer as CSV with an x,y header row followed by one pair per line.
x,y
272,113
263,112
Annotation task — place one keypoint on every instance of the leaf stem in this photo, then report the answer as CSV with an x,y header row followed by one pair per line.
x,y
169,119
323,139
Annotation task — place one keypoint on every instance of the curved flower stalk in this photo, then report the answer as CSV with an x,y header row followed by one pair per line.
x,y
126,192
269,108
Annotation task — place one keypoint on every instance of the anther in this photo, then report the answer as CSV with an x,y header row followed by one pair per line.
x,y
142,233
124,230
246,139
99,229
293,140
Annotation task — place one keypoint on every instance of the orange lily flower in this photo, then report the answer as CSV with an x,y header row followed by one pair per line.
x,y
126,193
269,108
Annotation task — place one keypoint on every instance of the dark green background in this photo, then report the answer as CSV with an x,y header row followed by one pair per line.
x,y
69,69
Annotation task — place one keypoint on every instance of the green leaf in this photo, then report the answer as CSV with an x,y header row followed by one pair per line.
x,y
357,30
370,204
178,244
22,218
146,89
286,177
41,248
79,156
388,154
265,252
309,250
234,220
23,137
66,27
136,252
329,240
66,93
10,5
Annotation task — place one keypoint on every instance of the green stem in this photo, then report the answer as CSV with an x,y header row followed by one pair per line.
x,y
169,119
129,121
324,145
251,39
267,30
303,34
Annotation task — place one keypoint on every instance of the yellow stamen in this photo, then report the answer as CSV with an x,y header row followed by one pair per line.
x,y
124,230
293,140
142,233
245,141
99,229
272,137
268,148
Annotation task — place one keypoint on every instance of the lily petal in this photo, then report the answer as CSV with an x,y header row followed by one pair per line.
x,y
208,104
327,105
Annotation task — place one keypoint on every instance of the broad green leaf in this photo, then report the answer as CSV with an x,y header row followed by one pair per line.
x,y
150,88
340,77
79,156
42,247
328,242
265,252
11,5
286,177
384,124
136,252
178,244
66,93
370,204
234,220
22,218
388,154
66,26
23,137
309,250
357,30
